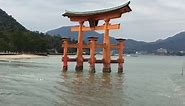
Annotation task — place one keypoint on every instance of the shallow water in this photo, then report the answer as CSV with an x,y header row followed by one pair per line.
x,y
147,81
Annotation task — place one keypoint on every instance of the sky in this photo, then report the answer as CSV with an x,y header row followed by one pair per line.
x,y
149,20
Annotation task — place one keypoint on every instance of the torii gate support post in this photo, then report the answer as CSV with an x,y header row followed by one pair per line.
x,y
106,49
79,64
92,54
121,45
65,57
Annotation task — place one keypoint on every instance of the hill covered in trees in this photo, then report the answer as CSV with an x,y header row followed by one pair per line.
x,y
16,38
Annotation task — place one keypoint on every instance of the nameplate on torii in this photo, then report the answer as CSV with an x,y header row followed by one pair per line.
x,y
102,27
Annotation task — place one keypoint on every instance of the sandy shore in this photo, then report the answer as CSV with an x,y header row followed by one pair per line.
x,y
22,56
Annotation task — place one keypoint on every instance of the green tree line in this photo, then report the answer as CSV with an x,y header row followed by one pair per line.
x,y
16,38
27,41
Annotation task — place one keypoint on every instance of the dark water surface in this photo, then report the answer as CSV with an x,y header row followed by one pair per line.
x,y
147,81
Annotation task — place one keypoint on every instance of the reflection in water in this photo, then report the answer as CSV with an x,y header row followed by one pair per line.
x,y
91,77
91,89
65,76
106,81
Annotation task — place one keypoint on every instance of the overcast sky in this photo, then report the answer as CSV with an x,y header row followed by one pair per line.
x,y
150,19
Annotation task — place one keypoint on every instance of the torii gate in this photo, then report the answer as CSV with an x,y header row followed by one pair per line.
x,y
93,17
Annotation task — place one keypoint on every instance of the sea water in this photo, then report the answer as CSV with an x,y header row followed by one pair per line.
x,y
146,81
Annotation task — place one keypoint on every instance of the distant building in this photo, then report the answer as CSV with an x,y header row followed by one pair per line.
x,y
162,51
182,52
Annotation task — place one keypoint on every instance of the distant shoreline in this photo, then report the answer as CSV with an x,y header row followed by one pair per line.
x,y
4,57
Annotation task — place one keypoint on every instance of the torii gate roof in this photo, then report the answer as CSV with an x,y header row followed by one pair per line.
x,y
110,13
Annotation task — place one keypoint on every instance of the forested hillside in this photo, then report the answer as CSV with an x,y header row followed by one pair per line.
x,y
16,38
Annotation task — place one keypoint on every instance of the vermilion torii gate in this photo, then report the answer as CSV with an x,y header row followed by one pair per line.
x,y
93,18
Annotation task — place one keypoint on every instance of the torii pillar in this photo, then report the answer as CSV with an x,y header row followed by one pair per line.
x,y
79,64
121,45
92,59
106,50
65,57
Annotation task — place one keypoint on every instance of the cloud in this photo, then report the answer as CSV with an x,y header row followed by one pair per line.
x,y
149,20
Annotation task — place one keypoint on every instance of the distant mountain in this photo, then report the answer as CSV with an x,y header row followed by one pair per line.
x,y
172,44
131,45
65,32
175,43
134,45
